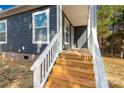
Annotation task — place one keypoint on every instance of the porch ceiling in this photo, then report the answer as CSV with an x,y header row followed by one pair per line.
x,y
77,14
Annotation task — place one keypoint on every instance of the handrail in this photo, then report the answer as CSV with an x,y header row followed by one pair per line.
x,y
43,54
43,65
101,80
100,76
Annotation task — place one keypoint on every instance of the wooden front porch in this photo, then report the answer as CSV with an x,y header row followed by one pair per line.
x,y
73,69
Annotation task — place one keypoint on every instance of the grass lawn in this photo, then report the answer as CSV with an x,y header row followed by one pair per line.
x,y
15,74
115,71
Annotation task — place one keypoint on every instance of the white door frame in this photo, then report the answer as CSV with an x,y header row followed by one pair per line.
x,y
72,36
66,32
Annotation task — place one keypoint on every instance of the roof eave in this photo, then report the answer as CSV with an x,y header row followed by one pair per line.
x,y
18,9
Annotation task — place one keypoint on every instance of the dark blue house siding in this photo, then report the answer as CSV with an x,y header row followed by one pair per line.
x,y
80,37
19,32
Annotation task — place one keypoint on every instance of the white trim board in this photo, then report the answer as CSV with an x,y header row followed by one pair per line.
x,y
4,42
33,27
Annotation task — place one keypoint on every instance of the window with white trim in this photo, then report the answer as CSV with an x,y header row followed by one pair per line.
x,y
67,31
3,31
41,27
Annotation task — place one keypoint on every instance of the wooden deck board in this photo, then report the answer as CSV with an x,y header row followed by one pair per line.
x,y
73,69
75,63
72,79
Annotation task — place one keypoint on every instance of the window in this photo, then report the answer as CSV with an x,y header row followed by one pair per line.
x,y
41,27
67,32
3,31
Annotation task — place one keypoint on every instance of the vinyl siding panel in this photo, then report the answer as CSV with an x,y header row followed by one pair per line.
x,y
19,32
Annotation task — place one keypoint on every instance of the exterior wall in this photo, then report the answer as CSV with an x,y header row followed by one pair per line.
x,y
19,32
80,37
18,57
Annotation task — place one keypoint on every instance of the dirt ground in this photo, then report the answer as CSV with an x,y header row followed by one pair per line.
x,y
18,74
115,71
15,74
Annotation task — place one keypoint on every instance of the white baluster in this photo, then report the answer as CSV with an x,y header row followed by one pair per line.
x,y
37,77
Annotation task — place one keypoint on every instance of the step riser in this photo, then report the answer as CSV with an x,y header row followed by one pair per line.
x,y
70,57
86,58
75,64
75,57
74,80
54,85
65,84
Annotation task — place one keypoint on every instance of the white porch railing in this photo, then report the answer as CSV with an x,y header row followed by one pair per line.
x,y
101,80
43,65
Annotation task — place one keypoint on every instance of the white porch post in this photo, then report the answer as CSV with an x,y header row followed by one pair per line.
x,y
59,24
101,80
88,26
94,43
37,77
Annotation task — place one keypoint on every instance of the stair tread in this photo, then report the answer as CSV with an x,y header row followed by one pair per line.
x,y
75,56
69,68
71,53
76,74
77,61
77,80
62,84
78,52
69,56
73,69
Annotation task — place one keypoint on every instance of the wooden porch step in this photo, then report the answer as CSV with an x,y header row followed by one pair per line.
x,y
57,83
73,71
70,56
69,81
82,51
55,86
52,83
75,55
75,63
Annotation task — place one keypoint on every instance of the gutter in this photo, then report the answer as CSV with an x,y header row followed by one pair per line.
x,y
18,9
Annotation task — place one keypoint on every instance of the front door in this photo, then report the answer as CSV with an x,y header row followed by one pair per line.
x,y
67,35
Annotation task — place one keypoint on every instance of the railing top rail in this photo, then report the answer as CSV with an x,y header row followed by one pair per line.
x,y
40,59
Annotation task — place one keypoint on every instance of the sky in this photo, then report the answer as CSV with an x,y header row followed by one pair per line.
x,y
4,7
